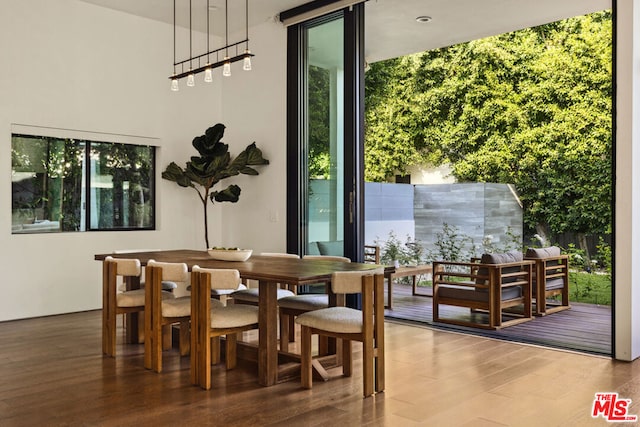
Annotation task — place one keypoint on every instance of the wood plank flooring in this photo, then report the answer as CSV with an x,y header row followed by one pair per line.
x,y
53,374
585,327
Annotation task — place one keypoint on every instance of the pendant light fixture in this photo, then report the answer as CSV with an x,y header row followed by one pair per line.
x,y
208,74
247,59
207,62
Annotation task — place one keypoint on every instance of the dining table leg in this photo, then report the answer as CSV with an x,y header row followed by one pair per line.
x,y
268,334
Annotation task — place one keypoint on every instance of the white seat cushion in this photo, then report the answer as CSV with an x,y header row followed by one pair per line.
x,y
177,307
219,292
181,307
305,302
333,319
233,316
135,298
252,295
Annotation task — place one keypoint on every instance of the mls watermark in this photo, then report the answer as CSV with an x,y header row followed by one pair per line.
x,y
612,408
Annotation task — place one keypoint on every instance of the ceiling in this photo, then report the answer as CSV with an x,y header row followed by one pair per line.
x,y
391,27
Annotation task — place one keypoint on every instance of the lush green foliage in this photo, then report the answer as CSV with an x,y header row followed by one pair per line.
x,y
532,108
408,253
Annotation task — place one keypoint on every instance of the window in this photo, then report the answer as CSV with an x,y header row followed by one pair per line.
x,y
66,184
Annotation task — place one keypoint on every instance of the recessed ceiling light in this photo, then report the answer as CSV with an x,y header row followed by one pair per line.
x,y
423,19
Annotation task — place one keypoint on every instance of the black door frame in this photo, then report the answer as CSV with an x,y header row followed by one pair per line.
x,y
297,224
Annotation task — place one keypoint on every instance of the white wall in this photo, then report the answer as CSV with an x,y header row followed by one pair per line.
x,y
255,110
71,65
627,244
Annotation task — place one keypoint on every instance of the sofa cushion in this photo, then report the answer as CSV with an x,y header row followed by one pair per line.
x,y
471,294
313,249
500,258
552,251
335,247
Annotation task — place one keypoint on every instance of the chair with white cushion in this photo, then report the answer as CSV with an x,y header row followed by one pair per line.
x,y
160,313
348,324
121,294
209,323
166,286
292,306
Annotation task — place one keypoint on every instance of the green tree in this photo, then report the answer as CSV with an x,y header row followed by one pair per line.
x,y
531,107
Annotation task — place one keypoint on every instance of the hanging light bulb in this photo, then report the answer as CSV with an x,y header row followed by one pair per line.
x,y
247,61
226,69
190,80
174,85
208,75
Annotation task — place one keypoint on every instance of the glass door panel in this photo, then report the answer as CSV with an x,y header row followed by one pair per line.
x,y
324,141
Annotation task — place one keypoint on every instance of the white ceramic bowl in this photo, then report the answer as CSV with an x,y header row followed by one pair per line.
x,y
230,254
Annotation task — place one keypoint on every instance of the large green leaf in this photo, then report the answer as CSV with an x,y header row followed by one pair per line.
x,y
229,194
176,174
208,145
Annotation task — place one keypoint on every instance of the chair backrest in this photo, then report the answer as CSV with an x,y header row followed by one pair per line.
x,y
550,263
549,252
171,271
125,266
327,258
500,258
350,282
279,255
221,278
372,254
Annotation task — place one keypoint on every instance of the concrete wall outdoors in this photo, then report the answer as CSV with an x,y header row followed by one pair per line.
x,y
479,212
388,208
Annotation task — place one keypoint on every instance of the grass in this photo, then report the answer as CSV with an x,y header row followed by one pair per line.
x,y
590,288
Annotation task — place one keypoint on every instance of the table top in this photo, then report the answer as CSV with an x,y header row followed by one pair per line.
x,y
273,269
410,270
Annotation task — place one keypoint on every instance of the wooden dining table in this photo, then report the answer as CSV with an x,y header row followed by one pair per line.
x,y
269,272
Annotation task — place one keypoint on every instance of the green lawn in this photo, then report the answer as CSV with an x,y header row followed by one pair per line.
x,y
590,288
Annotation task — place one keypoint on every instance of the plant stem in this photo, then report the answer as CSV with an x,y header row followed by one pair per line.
x,y
206,225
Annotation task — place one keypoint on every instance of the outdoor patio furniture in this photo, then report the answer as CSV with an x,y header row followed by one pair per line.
x,y
497,290
550,279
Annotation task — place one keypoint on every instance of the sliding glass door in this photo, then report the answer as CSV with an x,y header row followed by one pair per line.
x,y
324,135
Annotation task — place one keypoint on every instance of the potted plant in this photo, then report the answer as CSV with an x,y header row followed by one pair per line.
x,y
213,165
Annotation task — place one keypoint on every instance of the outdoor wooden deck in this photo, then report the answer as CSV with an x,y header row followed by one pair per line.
x,y
585,327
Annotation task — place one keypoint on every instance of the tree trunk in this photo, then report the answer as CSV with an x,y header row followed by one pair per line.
x,y
543,234
582,244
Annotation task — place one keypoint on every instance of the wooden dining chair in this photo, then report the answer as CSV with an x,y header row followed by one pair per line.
x,y
161,313
121,294
292,306
209,323
348,324
166,285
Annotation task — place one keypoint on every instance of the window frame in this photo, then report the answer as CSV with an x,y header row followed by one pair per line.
x,y
85,141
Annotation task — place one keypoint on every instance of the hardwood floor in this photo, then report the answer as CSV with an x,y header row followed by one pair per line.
x,y
53,374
